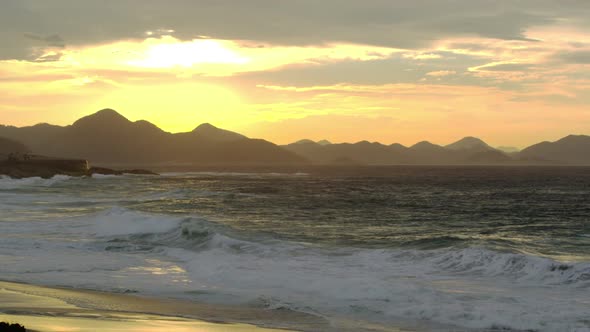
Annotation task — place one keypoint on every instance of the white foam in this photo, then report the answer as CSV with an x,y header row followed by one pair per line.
x,y
7,183
390,285
104,176
120,221
519,267
471,287
235,174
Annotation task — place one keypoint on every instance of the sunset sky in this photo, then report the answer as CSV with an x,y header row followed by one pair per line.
x,y
510,72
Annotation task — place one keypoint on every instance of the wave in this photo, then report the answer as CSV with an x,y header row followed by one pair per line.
x,y
471,287
235,174
518,267
436,242
197,234
195,258
104,176
119,221
8,183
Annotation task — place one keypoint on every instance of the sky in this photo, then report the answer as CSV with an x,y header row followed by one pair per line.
x,y
510,72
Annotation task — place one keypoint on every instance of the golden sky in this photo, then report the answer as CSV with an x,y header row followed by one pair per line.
x,y
511,73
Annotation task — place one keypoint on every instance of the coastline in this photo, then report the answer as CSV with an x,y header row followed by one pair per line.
x,y
48,309
56,309
128,236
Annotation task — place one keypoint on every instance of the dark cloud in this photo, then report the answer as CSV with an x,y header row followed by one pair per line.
x,y
397,69
393,23
575,57
51,40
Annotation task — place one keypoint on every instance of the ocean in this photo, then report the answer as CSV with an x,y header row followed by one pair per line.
x,y
500,248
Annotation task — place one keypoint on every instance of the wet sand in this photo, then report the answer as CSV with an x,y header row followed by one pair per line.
x,y
55,309
58,309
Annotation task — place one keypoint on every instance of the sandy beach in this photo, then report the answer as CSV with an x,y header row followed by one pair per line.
x,y
56,309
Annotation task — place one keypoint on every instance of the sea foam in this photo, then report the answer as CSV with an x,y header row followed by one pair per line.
x,y
120,221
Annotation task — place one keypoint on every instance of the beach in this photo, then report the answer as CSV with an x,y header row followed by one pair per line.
x,y
59,309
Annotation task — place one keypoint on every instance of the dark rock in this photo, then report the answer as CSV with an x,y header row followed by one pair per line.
x,y
38,166
42,167
108,171
7,327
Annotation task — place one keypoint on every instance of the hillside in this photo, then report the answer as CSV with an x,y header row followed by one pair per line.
x,y
573,149
108,137
469,150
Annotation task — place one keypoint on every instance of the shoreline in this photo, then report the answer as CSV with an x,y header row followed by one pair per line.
x,y
47,309
52,309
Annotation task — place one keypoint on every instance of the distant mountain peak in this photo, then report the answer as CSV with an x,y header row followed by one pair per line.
x,y
323,142
469,143
424,145
574,138
305,141
146,125
108,113
209,131
572,149
106,116
398,147
205,126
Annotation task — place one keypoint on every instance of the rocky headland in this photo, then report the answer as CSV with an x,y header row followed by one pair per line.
x,y
20,166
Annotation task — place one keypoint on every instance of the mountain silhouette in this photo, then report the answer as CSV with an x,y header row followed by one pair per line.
x,y
34,137
508,149
362,152
108,137
573,149
470,143
469,150
8,146
209,132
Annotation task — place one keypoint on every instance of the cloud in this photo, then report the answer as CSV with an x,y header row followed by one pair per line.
x,y
422,56
504,67
395,69
51,40
574,57
389,23
441,73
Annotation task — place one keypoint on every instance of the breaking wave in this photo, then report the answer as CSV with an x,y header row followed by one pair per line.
x,y
376,284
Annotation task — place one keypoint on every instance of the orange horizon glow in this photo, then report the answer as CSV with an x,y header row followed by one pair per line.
x,y
514,93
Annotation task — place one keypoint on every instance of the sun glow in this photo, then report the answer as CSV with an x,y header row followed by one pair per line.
x,y
204,57
176,108
168,52
260,88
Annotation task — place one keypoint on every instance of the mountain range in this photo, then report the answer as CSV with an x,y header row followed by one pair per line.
x,y
469,150
109,138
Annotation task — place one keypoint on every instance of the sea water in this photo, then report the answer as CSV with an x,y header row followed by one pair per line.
x,y
505,248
